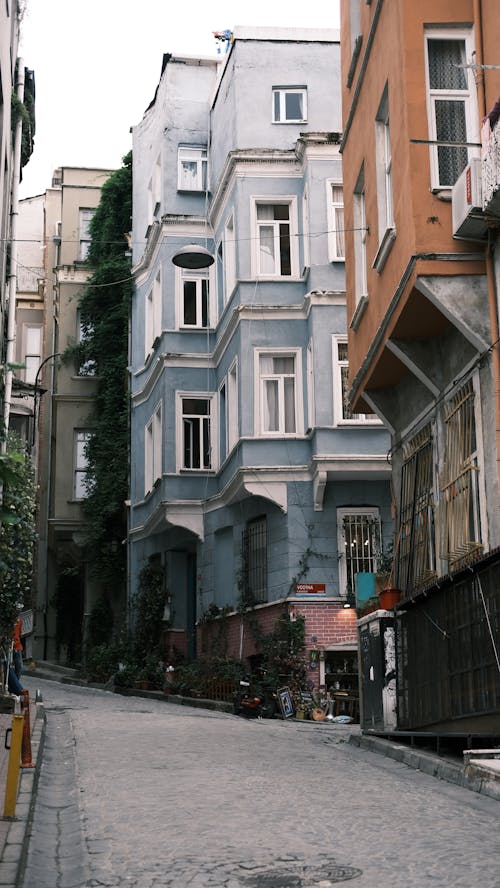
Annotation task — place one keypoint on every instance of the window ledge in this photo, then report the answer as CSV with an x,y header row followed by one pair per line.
x,y
442,194
384,249
200,472
280,278
293,122
359,312
186,328
349,423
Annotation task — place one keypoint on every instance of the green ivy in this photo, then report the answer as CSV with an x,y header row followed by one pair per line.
x,y
149,608
17,531
104,310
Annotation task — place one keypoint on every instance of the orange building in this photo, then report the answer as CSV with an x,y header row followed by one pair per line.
x,y
417,81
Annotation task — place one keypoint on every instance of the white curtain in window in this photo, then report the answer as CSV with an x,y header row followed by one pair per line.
x,y
446,60
267,257
271,406
278,406
189,172
289,404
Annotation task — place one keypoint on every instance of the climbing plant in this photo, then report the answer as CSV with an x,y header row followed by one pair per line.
x,y
150,607
17,531
104,312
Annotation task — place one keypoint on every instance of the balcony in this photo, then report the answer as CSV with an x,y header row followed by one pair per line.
x,y
490,137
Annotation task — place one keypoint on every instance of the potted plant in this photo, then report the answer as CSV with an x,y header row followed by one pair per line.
x,y
301,711
388,593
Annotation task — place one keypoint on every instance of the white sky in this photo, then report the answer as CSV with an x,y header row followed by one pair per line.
x,y
97,65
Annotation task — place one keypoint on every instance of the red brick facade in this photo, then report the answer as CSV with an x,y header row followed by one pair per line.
x,y
328,622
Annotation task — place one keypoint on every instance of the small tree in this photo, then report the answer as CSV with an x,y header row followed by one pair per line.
x,y
283,652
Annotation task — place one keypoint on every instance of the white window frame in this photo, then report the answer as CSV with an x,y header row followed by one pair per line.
x,y
373,513
360,237
153,447
232,423
80,462
336,223
86,215
223,412
153,313
256,225
306,237
279,95
260,380
89,368
339,365
385,196
181,277
32,336
211,419
193,154
468,97
311,404
229,258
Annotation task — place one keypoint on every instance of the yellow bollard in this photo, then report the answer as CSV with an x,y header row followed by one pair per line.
x,y
14,764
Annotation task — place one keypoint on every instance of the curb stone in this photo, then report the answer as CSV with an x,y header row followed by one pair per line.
x,y
473,777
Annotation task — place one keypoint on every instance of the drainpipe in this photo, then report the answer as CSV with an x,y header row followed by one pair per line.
x,y
495,350
478,22
490,249
14,213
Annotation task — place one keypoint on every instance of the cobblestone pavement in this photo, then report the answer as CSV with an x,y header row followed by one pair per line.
x,y
168,797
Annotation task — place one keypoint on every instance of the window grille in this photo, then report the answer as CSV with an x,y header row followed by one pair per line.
x,y
461,526
254,550
415,563
362,543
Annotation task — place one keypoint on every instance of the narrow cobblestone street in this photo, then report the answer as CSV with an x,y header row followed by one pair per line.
x,y
140,793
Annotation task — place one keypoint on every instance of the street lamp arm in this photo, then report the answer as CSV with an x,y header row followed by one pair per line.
x,y
37,391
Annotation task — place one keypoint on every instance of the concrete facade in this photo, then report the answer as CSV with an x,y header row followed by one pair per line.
x,y
65,592
243,458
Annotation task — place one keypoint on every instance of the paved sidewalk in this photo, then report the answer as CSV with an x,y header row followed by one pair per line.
x,y
14,831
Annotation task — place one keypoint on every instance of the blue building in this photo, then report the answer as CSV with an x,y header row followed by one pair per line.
x,y
250,476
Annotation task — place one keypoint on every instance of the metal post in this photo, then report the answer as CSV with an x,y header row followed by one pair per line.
x,y
14,764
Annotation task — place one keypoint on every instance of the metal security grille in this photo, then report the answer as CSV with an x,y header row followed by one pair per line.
x,y
415,564
361,534
254,546
447,666
460,527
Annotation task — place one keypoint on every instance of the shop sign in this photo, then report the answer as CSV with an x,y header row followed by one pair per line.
x,y
310,588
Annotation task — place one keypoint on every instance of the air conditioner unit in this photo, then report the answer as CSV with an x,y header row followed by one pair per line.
x,y
469,221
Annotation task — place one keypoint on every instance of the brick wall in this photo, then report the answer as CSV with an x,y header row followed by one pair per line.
x,y
328,621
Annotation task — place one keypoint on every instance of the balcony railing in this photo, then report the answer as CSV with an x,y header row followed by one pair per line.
x,y
490,138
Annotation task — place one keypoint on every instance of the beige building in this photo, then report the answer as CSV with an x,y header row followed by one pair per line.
x,y
58,402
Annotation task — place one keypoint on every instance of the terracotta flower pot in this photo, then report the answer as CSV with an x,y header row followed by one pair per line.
x,y
389,597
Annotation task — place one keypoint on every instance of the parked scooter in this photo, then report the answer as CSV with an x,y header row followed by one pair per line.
x,y
254,703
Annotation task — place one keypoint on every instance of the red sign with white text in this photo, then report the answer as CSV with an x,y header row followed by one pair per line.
x,y
310,588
